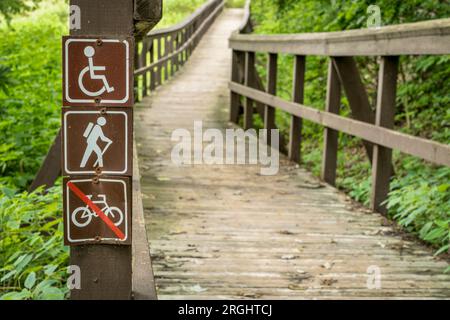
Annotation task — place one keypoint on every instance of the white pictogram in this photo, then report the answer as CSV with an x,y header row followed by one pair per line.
x,y
89,52
92,133
82,216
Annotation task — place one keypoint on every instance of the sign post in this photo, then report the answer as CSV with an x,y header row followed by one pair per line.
x,y
97,142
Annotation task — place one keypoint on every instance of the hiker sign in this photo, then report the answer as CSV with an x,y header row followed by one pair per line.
x,y
97,141
97,72
97,210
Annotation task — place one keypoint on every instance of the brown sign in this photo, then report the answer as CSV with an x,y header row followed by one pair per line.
x,y
97,141
97,72
97,210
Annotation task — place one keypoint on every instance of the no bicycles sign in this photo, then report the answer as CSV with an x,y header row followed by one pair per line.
x,y
97,210
97,72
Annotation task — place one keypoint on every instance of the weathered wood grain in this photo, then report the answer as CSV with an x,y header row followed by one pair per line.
x,y
226,232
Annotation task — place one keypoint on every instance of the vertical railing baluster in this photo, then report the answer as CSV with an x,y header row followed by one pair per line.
x,y
152,71
249,82
296,122
269,112
330,140
385,113
143,63
237,69
159,70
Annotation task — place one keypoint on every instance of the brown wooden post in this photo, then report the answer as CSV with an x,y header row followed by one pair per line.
x,y
385,112
249,82
166,53
297,96
51,168
330,148
152,71
237,68
143,63
106,270
269,112
137,61
159,70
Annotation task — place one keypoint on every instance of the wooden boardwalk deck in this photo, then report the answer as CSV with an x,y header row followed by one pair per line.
x,y
228,232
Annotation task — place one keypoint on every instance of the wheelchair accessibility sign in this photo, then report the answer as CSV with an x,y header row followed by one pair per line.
x,y
96,210
97,141
97,72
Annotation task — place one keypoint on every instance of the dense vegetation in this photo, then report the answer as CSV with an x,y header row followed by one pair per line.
x,y
420,192
33,259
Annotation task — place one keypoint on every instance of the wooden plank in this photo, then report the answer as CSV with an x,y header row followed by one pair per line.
x,y
385,113
143,279
269,112
51,167
249,82
428,150
330,140
297,96
420,38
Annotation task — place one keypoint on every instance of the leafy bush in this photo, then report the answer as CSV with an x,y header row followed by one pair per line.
x,y
32,258
419,200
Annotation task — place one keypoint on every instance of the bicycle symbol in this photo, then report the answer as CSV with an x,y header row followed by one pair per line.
x,y
82,216
89,52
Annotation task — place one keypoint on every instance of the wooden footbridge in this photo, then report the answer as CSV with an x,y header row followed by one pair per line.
x,y
226,231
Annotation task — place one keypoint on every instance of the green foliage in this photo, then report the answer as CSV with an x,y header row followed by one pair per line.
x,y
174,11
29,110
419,200
32,258
10,7
235,3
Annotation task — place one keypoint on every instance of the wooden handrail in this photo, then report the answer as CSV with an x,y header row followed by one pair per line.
x,y
420,38
375,128
189,20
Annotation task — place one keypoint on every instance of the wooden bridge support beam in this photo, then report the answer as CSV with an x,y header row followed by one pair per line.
x,y
297,96
330,148
385,112
356,94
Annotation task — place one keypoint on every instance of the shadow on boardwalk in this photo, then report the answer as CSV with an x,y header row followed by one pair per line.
x,y
228,232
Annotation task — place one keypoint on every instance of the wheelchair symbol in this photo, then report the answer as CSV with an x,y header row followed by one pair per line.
x,y
89,52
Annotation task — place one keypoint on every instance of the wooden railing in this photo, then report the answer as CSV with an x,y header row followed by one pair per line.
x,y
375,128
162,52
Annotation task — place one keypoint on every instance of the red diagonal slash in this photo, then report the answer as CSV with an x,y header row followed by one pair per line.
x,y
97,210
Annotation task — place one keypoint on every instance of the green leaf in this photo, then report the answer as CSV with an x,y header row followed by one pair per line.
x,y
30,280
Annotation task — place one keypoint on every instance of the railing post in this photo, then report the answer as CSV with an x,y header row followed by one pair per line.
x,y
137,61
385,112
237,69
330,148
249,82
159,70
269,112
152,59
166,53
143,63
296,123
